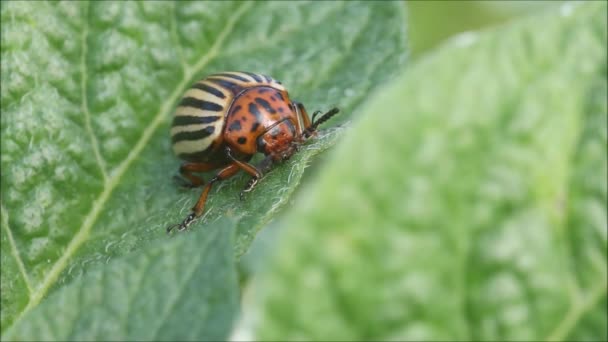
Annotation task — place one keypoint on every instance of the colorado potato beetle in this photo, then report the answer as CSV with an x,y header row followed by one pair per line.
x,y
223,120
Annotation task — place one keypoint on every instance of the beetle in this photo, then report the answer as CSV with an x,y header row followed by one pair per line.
x,y
223,120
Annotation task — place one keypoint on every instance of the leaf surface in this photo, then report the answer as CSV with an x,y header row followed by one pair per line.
x,y
184,289
88,89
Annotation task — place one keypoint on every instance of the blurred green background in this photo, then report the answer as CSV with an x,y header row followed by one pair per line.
x,y
431,22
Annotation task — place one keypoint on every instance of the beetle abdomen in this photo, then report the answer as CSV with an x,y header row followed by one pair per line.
x,y
200,116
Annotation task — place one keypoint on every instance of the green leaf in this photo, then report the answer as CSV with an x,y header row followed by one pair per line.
x,y
473,208
87,93
183,289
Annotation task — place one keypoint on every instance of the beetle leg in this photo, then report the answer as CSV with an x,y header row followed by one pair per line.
x,y
264,166
197,210
223,174
245,166
256,173
186,170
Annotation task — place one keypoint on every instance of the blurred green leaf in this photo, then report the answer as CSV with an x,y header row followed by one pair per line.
x,y
87,94
184,289
472,208
458,16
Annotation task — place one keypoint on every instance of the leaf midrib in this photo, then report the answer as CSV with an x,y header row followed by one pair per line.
x,y
98,205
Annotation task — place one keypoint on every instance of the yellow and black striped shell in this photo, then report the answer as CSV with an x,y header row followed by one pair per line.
x,y
200,117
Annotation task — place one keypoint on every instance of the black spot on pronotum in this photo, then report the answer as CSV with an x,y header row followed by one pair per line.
x,y
235,110
281,110
253,109
263,90
200,104
241,140
273,99
255,126
235,126
265,104
280,96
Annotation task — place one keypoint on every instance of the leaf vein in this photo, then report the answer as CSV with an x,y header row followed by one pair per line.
x,y
84,103
14,250
577,310
278,38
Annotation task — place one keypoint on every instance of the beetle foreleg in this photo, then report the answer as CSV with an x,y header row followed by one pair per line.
x,y
263,167
256,173
245,166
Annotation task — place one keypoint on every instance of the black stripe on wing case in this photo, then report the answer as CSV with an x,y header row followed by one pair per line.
x,y
185,120
194,135
209,89
233,87
236,77
200,104
256,77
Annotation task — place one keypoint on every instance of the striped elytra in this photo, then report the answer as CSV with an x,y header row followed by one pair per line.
x,y
222,121
200,117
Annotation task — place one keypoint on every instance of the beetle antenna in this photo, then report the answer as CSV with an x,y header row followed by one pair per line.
x,y
321,120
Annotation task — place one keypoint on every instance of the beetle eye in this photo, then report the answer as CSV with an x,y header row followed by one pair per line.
x,y
261,144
